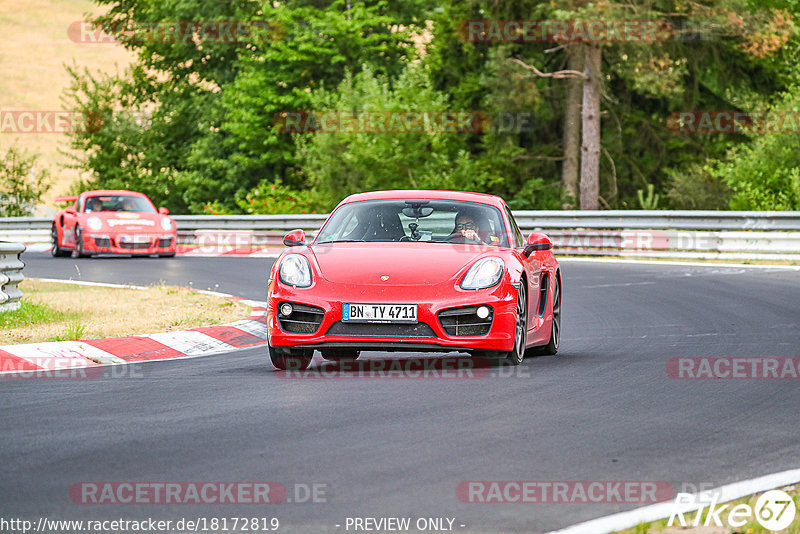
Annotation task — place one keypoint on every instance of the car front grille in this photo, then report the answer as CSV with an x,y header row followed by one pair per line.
x,y
380,330
135,246
465,321
163,243
304,319
102,242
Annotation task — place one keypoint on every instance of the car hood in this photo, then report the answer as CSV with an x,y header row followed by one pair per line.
x,y
124,220
403,263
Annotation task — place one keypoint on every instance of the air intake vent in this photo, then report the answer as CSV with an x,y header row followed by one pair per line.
x,y
304,319
466,321
544,286
380,330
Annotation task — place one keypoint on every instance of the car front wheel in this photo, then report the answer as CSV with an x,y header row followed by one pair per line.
x,y
517,353
555,332
55,249
78,252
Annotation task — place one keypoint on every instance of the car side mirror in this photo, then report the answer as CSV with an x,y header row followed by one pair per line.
x,y
70,210
537,241
163,211
295,238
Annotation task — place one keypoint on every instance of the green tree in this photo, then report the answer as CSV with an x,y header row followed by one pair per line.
x,y
764,174
193,121
434,157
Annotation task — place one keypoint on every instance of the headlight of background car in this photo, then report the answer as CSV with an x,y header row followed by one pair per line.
x,y
94,223
484,273
166,223
295,271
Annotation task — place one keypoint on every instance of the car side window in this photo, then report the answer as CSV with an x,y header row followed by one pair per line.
x,y
519,241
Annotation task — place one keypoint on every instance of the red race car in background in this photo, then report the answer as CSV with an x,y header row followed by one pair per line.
x,y
112,222
414,271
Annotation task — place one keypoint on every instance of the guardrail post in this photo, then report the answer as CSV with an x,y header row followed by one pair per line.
x,y
11,275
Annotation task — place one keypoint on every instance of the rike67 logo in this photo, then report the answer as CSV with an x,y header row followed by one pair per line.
x,y
774,510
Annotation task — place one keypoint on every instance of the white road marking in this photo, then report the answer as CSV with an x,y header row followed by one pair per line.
x,y
620,285
654,512
680,263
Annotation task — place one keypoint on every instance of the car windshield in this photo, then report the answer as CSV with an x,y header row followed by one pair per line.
x,y
118,203
415,220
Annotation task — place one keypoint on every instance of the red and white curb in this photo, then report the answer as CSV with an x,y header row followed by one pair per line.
x,y
203,341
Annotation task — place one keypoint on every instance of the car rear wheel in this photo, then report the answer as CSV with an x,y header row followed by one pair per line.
x,y
293,360
517,354
55,249
555,333
338,355
78,252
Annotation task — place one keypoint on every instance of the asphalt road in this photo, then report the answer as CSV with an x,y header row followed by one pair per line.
x,y
603,409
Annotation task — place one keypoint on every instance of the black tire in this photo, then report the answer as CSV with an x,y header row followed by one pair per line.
x,y
78,252
339,355
55,249
555,332
517,353
290,361
167,255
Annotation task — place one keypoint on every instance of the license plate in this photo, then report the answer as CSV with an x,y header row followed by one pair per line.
x,y
379,313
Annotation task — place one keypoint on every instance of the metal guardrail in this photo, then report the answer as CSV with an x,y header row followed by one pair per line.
x,y
682,234
527,220
660,220
10,275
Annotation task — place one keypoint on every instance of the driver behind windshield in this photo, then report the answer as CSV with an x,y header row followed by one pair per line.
x,y
467,230
94,204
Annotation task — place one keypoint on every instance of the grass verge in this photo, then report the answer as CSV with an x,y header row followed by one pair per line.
x,y
58,312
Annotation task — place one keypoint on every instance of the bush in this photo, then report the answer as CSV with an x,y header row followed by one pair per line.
x,y
21,184
276,198
694,188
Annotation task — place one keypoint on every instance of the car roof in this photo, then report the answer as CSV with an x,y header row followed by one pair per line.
x,y
99,192
432,194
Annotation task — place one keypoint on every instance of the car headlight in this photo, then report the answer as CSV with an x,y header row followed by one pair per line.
x,y
295,271
484,273
166,223
94,223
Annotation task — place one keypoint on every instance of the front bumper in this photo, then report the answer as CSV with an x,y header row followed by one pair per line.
x,y
427,335
104,243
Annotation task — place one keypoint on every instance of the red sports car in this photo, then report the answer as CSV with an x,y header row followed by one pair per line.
x,y
112,222
414,271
